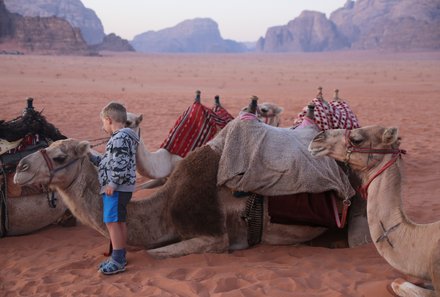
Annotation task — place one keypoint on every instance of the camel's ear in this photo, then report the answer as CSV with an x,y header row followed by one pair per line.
x,y
82,148
139,120
390,136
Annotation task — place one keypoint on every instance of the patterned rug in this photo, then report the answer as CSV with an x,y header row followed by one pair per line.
x,y
195,127
331,115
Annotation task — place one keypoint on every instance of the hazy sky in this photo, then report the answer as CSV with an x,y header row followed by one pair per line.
x,y
240,20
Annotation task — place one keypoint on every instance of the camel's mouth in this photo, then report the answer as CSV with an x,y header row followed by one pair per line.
x,y
19,179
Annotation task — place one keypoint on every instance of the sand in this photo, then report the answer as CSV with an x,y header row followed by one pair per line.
x,y
391,89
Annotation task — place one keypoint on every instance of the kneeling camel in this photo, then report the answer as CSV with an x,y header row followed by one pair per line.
x,y
189,214
414,249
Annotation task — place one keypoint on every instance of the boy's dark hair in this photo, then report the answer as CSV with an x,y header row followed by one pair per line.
x,y
115,111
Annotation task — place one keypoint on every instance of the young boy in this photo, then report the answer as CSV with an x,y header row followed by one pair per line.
x,y
117,176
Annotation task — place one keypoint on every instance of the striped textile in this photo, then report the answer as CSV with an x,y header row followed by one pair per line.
x,y
331,115
196,126
224,116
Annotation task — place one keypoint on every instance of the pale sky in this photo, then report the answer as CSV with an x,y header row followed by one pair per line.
x,y
240,20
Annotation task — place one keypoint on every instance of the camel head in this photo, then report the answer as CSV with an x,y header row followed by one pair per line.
x,y
361,148
268,113
133,121
57,165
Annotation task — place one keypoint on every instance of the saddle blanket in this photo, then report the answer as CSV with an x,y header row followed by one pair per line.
x,y
331,115
196,126
274,161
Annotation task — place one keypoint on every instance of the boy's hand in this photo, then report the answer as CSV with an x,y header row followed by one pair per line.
x,y
109,190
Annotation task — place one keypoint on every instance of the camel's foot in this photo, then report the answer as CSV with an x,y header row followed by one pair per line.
x,y
402,288
197,245
151,184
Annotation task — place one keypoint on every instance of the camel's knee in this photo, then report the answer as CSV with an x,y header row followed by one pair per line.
x,y
403,288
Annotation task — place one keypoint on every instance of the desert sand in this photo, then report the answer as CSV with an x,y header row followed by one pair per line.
x,y
391,89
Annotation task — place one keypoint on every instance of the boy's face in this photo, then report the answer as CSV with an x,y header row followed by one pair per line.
x,y
107,125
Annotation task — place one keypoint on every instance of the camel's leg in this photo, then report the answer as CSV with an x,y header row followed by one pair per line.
x,y
277,234
196,245
403,288
435,268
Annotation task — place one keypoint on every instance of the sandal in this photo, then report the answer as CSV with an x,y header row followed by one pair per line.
x,y
108,259
111,267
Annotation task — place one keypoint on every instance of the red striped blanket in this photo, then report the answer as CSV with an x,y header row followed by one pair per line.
x,y
195,127
331,115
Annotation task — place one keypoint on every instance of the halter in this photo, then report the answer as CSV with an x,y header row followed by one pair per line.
x,y
52,171
396,154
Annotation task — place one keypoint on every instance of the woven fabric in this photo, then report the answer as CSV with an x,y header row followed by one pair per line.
x,y
262,159
331,115
196,126
223,116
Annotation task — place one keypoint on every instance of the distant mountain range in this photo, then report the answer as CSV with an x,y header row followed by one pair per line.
x,y
360,25
200,35
399,25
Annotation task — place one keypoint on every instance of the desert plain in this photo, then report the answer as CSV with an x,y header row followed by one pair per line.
x,y
391,89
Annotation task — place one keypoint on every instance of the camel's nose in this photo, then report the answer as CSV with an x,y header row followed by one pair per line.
x,y
22,166
320,136
264,109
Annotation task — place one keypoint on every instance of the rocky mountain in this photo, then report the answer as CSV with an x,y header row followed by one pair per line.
x,y
361,24
71,10
49,35
309,32
390,24
113,43
200,35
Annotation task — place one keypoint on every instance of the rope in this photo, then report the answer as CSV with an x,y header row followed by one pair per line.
x,y
3,205
254,218
104,140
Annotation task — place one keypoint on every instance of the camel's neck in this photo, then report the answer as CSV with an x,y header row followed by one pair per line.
x,y
146,219
153,164
83,199
394,235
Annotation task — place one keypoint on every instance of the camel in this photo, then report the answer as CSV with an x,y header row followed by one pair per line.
x,y
159,164
189,214
268,113
25,210
373,153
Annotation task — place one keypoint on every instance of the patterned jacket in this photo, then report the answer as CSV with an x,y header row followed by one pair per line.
x,y
117,167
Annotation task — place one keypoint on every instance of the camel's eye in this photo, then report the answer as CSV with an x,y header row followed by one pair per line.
x,y
355,141
60,159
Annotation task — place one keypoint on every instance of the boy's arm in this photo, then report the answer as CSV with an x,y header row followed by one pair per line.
x,y
95,157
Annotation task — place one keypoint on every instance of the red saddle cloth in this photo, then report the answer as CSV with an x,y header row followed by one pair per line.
x,y
313,209
224,116
195,127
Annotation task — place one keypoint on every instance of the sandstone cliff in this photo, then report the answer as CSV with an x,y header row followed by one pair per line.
x,y
390,24
114,43
200,35
49,35
310,32
363,24
72,10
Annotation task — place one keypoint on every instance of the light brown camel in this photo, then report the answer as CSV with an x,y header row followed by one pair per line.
x,y
268,113
414,249
159,164
189,214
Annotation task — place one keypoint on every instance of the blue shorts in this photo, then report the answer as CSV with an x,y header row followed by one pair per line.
x,y
115,207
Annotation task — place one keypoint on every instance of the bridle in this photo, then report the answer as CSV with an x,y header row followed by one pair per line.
x,y
52,171
351,148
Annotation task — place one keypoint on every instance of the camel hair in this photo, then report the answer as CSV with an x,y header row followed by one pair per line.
x,y
413,249
159,164
189,214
